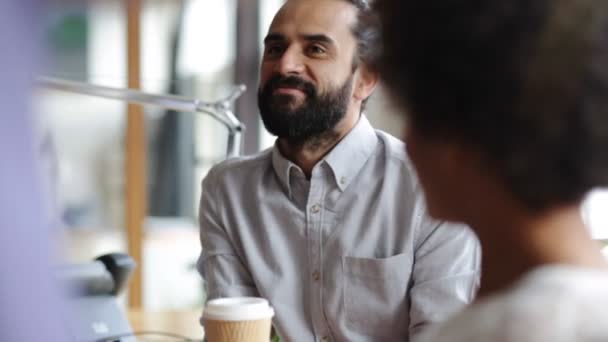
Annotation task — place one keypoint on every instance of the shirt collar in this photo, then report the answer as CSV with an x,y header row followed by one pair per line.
x,y
282,167
345,159
352,152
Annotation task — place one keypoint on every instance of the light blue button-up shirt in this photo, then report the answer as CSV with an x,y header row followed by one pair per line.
x,y
348,255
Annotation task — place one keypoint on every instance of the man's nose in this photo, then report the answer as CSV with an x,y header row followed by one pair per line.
x,y
291,62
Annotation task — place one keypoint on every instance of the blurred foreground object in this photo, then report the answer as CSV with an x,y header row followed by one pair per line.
x,y
30,309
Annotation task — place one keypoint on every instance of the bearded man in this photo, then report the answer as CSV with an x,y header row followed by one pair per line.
x,y
329,224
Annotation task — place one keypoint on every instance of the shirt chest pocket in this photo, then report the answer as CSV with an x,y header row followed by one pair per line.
x,y
375,295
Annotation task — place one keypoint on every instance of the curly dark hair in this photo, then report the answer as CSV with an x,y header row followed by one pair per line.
x,y
524,81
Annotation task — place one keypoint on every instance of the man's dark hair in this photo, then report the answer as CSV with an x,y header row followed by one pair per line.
x,y
367,33
524,81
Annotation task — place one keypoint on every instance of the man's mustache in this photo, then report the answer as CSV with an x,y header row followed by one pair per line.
x,y
290,82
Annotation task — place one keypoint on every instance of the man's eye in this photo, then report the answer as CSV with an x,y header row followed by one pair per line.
x,y
316,50
274,50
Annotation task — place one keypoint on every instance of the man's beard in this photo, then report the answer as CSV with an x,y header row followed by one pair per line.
x,y
313,119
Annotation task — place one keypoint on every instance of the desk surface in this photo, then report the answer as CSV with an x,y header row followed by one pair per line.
x,y
183,322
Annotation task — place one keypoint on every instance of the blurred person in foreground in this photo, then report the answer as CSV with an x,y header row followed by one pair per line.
x,y
329,224
507,113
29,304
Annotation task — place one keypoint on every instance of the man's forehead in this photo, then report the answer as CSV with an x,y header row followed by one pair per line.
x,y
333,18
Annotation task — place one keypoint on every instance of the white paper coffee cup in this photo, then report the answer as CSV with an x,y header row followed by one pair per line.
x,y
238,319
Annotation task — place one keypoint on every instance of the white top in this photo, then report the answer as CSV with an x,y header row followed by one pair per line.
x,y
551,303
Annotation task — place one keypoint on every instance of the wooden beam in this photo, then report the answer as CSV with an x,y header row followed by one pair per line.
x,y
135,161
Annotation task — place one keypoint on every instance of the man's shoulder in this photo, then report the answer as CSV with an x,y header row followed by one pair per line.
x,y
394,150
240,167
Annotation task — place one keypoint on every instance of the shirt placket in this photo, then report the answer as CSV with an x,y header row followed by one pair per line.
x,y
316,211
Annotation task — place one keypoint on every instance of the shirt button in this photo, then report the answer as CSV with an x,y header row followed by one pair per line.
x,y
343,180
316,275
315,208
325,339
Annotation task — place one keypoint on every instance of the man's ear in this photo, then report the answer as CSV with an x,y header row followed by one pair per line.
x,y
366,82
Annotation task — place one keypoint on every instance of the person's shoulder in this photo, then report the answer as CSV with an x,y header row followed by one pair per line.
x,y
559,279
395,147
394,150
576,297
240,167
503,316
548,302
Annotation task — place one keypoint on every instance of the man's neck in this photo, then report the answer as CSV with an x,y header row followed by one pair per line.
x,y
307,154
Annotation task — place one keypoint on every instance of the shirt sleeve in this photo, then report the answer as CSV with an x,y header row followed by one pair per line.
x,y
220,264
445,275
